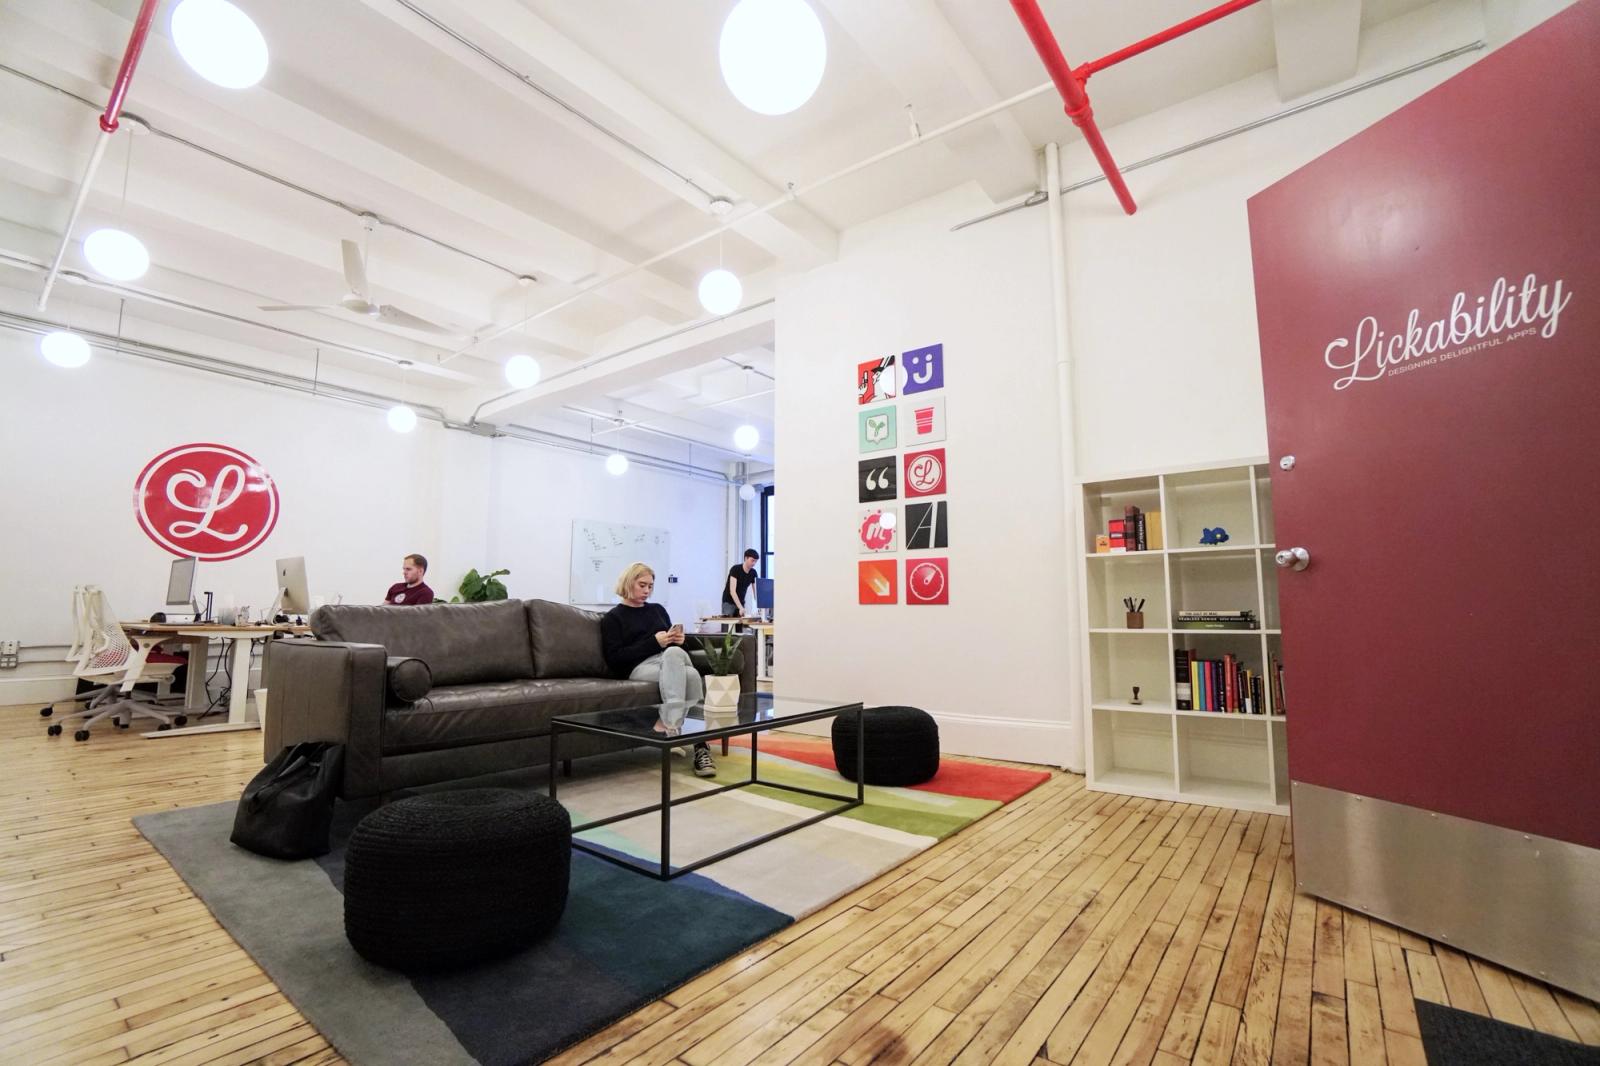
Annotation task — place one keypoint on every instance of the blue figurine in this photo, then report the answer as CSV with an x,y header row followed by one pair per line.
x,y
1214,536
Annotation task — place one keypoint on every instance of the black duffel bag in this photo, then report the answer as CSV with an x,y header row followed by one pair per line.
x,y
287,808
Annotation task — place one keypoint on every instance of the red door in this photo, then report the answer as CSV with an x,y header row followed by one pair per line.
x,y
1428,296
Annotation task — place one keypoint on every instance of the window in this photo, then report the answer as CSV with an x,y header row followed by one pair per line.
x,y
767,495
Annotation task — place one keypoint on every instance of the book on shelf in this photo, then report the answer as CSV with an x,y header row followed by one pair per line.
x,y
1215,620
1135,531
1225,685
1153,522
1102,544
1117,533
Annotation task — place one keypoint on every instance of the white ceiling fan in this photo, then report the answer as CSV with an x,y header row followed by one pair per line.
x,y
359,298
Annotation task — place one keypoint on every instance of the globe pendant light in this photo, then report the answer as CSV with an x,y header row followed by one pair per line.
x,y
745,438
64,348
720,292
772,54
219,42
402,419
747,493
887,520
116,254
616,464
522,370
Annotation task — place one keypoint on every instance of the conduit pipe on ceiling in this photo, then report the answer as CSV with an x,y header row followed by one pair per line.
x,y
1069,82
108,127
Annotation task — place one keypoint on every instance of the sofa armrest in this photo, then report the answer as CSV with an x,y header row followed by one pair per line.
x,y
328,690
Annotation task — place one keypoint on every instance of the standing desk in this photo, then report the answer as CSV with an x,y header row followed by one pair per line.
x,y
198,636
762,630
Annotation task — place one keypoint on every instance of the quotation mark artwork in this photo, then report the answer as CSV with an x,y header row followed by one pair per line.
x,y
875,529
924,369
875,380
925,421
875,480
875,581
207,500
876,428
928,581
925,473
927,525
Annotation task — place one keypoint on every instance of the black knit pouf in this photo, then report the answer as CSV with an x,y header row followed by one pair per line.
x,y
902,745
453,878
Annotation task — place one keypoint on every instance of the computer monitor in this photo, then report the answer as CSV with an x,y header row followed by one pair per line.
x,y
292,595
180,584
764,593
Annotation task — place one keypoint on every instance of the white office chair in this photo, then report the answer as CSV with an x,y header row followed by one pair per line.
x,y
104,656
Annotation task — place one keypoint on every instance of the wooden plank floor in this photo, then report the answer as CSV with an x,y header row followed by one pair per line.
x,y
1071,927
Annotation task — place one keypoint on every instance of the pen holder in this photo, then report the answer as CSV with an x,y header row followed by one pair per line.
x,y
1135,619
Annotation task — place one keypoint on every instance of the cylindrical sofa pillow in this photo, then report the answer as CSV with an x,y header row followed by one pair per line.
x,y
408,679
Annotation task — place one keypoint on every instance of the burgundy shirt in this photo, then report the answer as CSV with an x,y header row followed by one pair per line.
x,y
403,595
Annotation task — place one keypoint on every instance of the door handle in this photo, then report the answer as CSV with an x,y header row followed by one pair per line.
x,y
1293,558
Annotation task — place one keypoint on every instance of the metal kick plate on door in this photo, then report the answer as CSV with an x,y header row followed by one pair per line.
x,y
1525,901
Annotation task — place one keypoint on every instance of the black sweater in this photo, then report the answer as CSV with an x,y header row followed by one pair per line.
x,y
628,635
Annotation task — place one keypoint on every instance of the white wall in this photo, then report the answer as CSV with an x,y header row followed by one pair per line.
x,y
989,665
355,496
1163,334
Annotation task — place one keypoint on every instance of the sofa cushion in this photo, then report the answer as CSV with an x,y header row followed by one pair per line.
x,y
566,641
462,643
452,715
408,679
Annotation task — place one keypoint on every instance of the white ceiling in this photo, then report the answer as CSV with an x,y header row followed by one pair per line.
x,y
567,141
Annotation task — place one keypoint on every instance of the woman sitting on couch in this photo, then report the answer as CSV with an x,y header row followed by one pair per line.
x,y
641,644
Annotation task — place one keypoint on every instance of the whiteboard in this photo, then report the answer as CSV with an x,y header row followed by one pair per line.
x,y
601,551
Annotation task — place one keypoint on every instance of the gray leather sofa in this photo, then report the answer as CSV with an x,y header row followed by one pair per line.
x,y
499,672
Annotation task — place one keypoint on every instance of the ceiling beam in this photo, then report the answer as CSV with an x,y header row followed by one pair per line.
x,y
924,58
594,378
1317,42
518,37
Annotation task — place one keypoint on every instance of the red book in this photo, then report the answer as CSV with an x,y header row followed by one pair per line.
x,y
1117,528
1227,682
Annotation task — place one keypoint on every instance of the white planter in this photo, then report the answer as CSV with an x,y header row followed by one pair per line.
x,y
722,693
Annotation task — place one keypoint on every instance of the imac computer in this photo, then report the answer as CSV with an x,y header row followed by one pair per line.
x,y
292,597
764,594
180,606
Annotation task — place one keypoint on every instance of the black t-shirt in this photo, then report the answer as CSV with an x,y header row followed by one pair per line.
x,y
628,635
744,578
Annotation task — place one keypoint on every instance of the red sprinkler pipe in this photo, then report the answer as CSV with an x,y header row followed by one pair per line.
x,y
1069,82
1186,26
1071,90
130,60
108,127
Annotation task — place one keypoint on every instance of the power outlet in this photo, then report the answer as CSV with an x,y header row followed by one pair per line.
x,y
8,654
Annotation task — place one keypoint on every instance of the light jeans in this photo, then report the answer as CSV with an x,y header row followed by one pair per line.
x,y
675,675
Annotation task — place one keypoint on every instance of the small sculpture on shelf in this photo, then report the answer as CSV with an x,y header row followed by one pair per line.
x,y
1214,536
1135,701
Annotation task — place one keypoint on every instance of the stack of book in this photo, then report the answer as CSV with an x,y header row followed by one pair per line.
x,y
1216,620
1226,685
1135,531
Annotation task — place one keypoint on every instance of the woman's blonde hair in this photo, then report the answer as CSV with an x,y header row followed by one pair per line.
x,y
629,576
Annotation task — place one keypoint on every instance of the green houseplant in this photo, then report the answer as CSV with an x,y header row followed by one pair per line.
x,y
722,687
481,588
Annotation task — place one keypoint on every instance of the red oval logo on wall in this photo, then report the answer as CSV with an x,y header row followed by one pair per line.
x,y
207,500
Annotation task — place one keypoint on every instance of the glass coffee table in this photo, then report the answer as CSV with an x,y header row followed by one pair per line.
x,y
676,725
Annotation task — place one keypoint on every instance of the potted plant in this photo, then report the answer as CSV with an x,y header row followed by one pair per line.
x,y
722,687
481,588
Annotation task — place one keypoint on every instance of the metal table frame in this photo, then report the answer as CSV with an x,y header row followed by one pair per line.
x,y
666,744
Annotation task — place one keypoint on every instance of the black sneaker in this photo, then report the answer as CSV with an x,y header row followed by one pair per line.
x,y
704,765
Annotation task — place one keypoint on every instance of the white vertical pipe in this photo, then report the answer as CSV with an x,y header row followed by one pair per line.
x,y
1072,492
100,143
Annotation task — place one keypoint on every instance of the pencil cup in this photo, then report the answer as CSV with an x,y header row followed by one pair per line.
x,y
1135,619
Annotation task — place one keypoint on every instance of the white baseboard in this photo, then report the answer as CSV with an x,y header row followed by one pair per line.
x,y
1011,739
37,689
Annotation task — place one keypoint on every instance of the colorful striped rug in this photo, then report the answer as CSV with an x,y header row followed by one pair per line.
x,y
624,940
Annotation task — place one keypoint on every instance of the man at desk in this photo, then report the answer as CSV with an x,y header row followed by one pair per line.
x,y
412,591
740,578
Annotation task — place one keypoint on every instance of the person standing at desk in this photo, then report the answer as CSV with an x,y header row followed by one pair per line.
x,y
740,577
412,591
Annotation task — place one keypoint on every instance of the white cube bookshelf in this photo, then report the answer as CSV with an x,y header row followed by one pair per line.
x,y
1153,749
